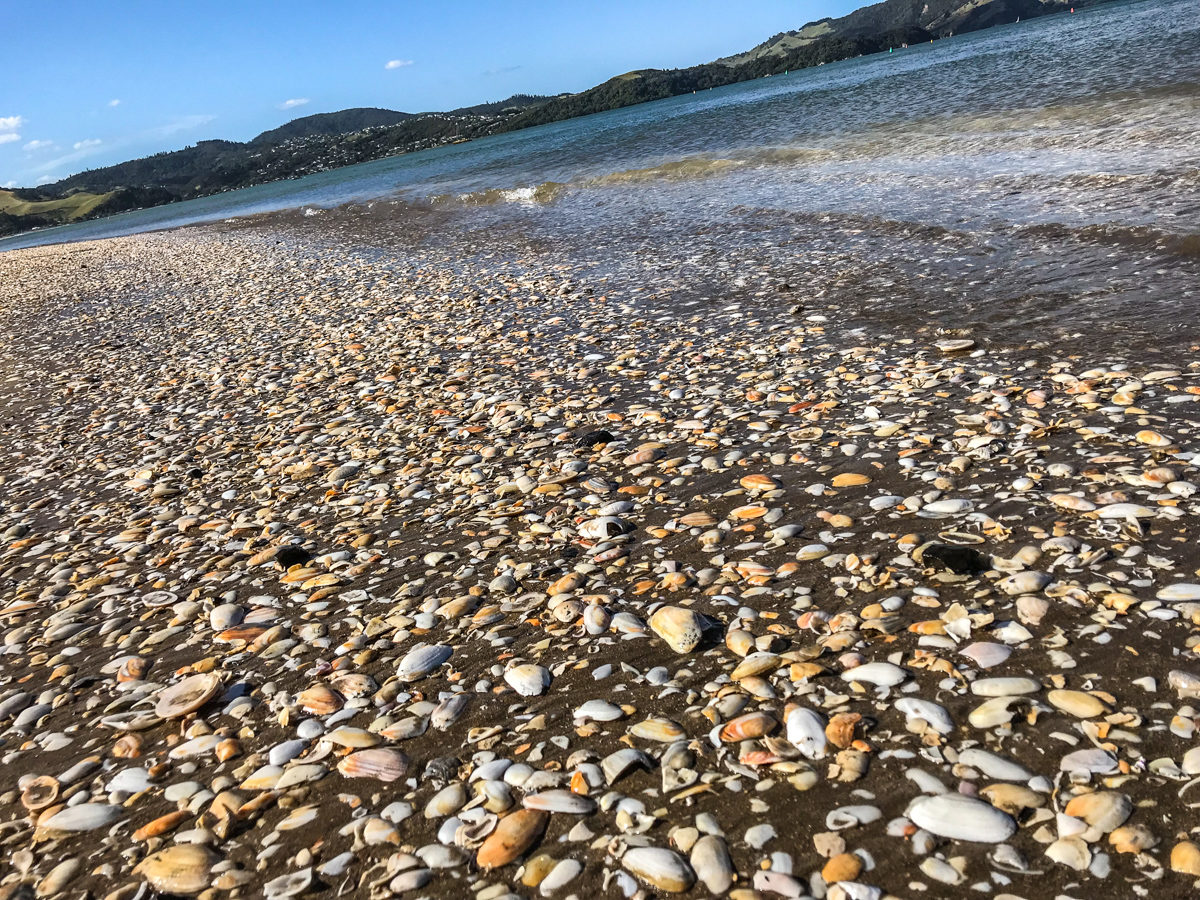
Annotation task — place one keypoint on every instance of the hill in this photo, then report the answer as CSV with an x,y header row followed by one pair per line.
x,y
343,122
325,141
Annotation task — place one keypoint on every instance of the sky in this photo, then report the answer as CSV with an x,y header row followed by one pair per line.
x,y
87,84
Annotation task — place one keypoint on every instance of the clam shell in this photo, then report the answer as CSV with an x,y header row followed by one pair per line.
x,y
933,713
319,700
806,732
962,818
598,711
621,762
421,660
1077,703
883,674
1179,593
514,836
681,628
747,727
449,711
1103,810
528,679
181,869
560,801
187,696
660,868
657,729
712,864
39,793
83,817
381,763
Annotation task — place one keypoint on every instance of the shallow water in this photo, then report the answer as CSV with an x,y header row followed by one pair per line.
x,y
1073,119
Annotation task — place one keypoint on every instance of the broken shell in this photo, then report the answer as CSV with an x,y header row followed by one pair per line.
x,y
186,696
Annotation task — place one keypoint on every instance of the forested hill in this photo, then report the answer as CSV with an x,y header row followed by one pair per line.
x,y
329,140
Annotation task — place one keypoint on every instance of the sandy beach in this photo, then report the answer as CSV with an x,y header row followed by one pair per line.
x,y
341,566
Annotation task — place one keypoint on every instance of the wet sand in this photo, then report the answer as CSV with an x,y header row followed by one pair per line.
x,y
270,460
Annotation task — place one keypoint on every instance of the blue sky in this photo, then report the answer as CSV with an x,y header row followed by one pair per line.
x,y
87,84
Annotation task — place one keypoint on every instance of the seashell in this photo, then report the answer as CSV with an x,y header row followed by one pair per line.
x,y
961,818
1012,798
756,664
1028,582
296,775
850,479
1132,839
355,738
292,884
513,837
319,700
449,711
747,727
528,680
940,509
39,792
681,628
83,817
380,763
354,684
1180,593
1004,687
1103,810
806,732
186,696
883,674
181,869
1077,703
621,762
712,864
161,825
227,615
748,512
133,669
841,729
1125,511
598,711
1152,439
299,817
954,345
1185,683
934,714
993,765
560,801
758,483
1070,852
811,552
1071,502
660,868
1092,760
604,527
421,660
1185,858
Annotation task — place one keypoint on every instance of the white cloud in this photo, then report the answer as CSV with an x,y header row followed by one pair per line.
x,y
46,179
9,184
398,63
87,144
292,104
9,138
11,123
179,123
38,145
114,102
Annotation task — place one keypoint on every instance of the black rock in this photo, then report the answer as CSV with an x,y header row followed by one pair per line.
x,y
592,438
292,556
959,560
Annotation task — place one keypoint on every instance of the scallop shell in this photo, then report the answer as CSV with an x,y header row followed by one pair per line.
x,y
187,696
181,869
421,660
381,763
660,868
319,700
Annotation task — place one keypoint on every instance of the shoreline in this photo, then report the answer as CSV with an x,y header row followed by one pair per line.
x,y
519,448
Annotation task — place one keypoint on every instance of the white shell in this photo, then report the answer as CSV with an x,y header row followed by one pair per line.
x,y
806,732
1125,511
935,714
527,679
599,711
421,660
560,801
1179,593
84,817
660,868
962,818
884,674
